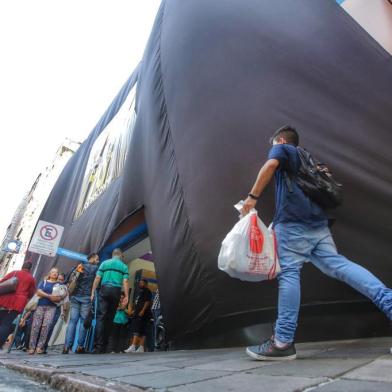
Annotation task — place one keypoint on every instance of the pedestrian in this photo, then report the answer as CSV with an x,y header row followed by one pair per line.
x,y
12,304
113,275
80,302
141,314
302,232
117,341
44,313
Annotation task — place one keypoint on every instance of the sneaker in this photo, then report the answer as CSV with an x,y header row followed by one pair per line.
x,y
140,349
65,350
267,351
131,349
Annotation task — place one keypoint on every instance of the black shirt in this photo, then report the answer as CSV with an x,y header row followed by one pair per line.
x,y
144,295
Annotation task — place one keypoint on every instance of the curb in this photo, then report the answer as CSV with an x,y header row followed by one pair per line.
x,y
69,382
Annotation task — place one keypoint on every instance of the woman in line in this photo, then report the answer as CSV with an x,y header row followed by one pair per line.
x,y
44,314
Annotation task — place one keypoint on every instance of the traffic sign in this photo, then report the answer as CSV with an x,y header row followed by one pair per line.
x,y
46,238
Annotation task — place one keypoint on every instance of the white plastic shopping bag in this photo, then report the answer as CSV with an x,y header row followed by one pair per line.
x,y
249,251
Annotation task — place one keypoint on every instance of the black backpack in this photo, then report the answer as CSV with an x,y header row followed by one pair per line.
x,y
316,181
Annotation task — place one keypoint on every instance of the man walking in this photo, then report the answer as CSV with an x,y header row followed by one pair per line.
x,y
81,303
113,275
303,235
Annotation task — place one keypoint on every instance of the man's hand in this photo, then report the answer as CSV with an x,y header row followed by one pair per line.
x,y
92,297
125,300
248,205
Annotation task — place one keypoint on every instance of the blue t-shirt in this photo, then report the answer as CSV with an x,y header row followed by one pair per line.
x,y
295,206
46,287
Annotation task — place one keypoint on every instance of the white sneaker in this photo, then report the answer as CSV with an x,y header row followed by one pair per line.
x,y
131,349
140,349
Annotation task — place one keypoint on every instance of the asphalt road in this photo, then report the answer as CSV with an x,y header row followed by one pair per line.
x,y
11,381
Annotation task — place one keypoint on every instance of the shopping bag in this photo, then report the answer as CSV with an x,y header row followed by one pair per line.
x,y
9,286
249,251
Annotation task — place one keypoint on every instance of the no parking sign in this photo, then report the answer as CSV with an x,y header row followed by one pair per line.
x,y
46,238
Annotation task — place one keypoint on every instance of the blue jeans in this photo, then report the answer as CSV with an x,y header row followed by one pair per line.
x,y
299,243
80,308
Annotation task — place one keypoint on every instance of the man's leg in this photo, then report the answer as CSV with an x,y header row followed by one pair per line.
x,y
103,305
113,301
326,258
6,319
294,249
73,321
85,306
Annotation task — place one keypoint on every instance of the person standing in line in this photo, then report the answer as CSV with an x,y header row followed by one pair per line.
x,y
12,304
302,232
44,313
81,303
113,275
141,314
61,310
117,341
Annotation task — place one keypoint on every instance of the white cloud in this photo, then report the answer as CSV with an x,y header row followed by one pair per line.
x,y
62,62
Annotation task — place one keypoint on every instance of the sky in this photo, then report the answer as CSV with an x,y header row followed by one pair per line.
x,y
61,64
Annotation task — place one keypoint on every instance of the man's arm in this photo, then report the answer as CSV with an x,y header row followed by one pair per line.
x,y
126,290
145,308
263,179
95,285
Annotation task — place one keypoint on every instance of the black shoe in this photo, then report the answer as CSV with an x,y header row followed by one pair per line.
x,y
98,351
267,351
65,350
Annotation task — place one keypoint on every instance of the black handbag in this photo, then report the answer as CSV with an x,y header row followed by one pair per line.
x,y
9,286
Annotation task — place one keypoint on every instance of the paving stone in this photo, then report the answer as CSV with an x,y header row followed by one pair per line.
x,y
354,386
251,383
171,378
378,370
110,372
231,365
311,367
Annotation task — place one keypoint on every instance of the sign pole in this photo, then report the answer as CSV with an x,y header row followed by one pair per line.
x,y
37,265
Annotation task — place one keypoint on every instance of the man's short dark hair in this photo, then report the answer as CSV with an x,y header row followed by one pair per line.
x,y
91,255
27,265
145,280
289,134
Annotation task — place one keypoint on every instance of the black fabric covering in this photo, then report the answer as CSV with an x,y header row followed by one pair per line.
x,y
217,78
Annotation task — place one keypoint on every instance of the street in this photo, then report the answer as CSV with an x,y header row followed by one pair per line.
x,y
11,381
360,365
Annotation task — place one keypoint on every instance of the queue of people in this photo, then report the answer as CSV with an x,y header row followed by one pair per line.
x,y
88,291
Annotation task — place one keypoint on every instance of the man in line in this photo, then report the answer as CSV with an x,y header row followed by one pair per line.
x,y
303,235
13,303
81,303
113,275
141,314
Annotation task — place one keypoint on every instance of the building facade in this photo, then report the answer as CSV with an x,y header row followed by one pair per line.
x,y
26,215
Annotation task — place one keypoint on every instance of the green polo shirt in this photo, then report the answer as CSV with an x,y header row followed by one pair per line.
x,y
113,272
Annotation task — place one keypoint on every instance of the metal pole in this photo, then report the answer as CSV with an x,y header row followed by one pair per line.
x,y
36,265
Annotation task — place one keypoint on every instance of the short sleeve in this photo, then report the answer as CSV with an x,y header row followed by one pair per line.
x,y
101,270
279,153
126,272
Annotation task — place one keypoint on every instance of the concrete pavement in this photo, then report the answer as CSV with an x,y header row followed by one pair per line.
x,y
355,365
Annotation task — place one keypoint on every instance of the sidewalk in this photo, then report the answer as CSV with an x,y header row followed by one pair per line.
x,y
363,365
